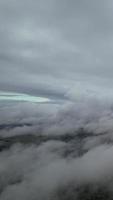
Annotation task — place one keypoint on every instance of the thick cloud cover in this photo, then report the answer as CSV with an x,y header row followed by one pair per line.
x,y
58,52
49,46
57,152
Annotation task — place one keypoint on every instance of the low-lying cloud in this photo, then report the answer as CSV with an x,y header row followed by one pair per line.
x,y
56,152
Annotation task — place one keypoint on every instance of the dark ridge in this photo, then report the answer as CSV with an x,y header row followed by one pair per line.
x,y
28,139
76,139
12,126
84,192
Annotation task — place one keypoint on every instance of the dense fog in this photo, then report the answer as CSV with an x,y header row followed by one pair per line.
x,y
55,152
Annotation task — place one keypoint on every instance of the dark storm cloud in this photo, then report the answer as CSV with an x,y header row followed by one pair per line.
x,y
50,46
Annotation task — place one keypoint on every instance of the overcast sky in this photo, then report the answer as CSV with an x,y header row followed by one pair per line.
x,y
52,47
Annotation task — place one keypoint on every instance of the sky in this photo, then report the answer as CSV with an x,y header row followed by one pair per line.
x,y
56,49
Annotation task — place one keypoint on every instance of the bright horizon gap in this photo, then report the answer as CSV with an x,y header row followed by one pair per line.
x,y
7,96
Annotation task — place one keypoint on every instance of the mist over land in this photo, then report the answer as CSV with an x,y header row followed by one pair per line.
x,y
54,151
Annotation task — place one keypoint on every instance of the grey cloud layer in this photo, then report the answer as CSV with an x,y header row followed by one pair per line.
x,y
93,116
69,151
49,46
